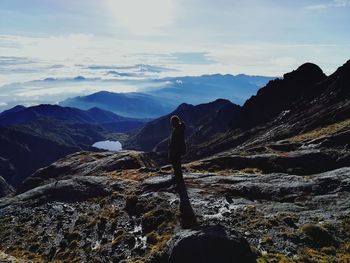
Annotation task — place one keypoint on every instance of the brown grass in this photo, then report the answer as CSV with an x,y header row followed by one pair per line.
x,y
321,132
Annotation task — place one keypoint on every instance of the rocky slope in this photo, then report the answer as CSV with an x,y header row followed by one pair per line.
x,y
304,101
319,109
122,207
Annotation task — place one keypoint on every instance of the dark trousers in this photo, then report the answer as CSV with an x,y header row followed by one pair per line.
x,y
178,177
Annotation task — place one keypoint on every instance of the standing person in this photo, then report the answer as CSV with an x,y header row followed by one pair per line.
x,y
177,148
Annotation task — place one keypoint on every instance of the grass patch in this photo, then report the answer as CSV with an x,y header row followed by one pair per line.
x,y
321,132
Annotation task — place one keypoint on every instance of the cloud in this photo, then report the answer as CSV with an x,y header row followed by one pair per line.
x,y
142,17
341,3
10,61
16,65
190,58
134,68
123,74
331,4
317,7
51,90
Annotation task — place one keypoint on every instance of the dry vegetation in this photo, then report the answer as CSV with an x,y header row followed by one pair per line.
x,y
321,132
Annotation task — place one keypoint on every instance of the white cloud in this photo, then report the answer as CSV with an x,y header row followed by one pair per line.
x,y
341,2
142,17
333,3
317,7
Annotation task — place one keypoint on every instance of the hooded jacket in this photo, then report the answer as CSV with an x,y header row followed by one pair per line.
x,y
177,145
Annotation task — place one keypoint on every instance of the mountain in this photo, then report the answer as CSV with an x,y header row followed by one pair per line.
x,y
209,117
20,114
305,103
12,110
163,95
135,105
23,153
283,108
278,95
36,136
201,89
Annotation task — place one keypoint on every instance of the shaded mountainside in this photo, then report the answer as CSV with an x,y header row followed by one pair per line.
x,y
22,153
5,188
20,115
278,95
321,109
33,137
122,206
208,118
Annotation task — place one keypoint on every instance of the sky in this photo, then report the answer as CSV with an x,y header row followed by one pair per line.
x,y
140,39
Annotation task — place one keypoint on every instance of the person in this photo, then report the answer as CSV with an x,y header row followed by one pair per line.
x,y
177,148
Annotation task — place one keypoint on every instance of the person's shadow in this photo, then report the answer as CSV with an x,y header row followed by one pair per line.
x,y
187,216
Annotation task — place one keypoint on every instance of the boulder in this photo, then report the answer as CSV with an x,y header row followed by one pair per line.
x,y
77,189
209,244
87,164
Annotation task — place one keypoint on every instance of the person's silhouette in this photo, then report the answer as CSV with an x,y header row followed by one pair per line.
x,y
177,148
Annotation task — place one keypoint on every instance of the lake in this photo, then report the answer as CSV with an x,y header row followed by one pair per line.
x,y
108,145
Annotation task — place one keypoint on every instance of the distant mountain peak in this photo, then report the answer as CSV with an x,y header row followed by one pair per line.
x,y
14,109
79,78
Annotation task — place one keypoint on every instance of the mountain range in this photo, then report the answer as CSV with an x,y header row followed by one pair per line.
x,y
134,104
168,93
303,100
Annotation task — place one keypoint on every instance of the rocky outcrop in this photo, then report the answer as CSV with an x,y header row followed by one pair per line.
x,y
76,189
301,161
278,95
208,245
87,164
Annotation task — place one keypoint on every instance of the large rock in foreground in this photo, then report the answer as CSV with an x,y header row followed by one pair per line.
x,y
207,245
